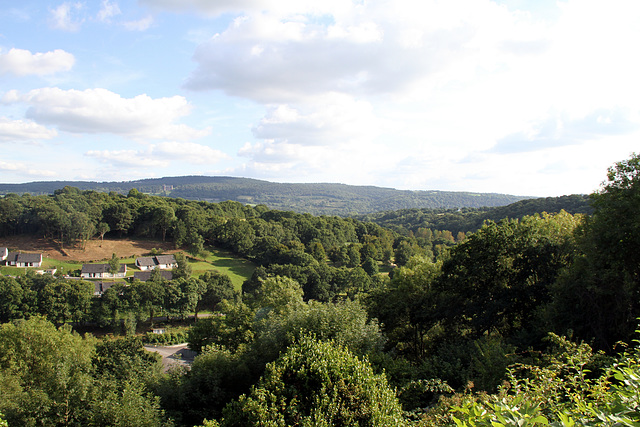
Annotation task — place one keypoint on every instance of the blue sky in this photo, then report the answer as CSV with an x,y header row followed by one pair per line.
x,y
522,97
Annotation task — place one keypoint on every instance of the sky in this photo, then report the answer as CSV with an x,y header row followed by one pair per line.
x,y
524,97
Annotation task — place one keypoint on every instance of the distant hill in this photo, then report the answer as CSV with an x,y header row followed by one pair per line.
x,y
317,199
471,219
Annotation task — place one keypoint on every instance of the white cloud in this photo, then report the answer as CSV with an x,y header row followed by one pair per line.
x,y
65,16
23,169
189,152
163,155
126,158
22,62
216,8
107,11
139,25
20,130
330,119
102,111
346,163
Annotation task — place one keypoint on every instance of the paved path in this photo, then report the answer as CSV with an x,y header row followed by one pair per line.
x,y
173,355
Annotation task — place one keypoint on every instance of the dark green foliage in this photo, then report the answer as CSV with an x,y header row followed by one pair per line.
x,y
215,378
45,372
499,278
317,383
599,296
231,327
124,358
370,266
184,269
344,323
53,377
421,221
405,307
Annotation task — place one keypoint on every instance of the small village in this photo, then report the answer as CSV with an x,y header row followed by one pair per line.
x,y
95,272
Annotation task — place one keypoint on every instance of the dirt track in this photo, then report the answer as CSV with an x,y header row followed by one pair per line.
x,y
95,250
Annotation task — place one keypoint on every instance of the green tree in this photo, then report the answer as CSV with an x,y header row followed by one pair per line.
x,y
114,264
184,269
345,323
216,377
163,217
231,328
405,306
11,298
278,294
119,217
599,296
102,228
46,374
370,266
216,288
317,383
195,243
499,279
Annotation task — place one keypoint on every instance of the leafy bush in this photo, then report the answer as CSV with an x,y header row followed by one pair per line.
x,y
317,383
168,338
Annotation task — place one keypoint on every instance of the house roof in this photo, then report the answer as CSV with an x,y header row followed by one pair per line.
x,y
101,287
165,259
146,262
155,260
4,251
143,276
101,268
20,257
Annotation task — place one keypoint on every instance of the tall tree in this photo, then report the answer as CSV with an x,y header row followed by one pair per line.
x,y
499,279
114,264
317,383
599,297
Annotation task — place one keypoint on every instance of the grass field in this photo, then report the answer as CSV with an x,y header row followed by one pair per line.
x,y
237,269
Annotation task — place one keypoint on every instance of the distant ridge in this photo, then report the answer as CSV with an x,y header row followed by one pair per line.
x,y
317,199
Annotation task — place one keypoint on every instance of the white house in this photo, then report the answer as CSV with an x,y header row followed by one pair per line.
x,y
99,271
4,252
18,259
163,262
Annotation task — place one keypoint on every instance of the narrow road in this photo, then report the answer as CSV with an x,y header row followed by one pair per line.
x,y
173,355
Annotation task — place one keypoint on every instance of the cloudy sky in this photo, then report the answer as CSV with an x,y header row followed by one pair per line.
x,y
526,97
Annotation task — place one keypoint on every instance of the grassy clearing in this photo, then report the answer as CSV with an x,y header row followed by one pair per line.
x,y
237,269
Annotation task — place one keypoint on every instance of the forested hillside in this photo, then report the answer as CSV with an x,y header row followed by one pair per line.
x,y
317,199
527,321
471,219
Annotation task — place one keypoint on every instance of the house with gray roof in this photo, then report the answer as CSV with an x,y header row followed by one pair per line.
x,y
101,287
144,276
163,262
99,271
4,252
19,259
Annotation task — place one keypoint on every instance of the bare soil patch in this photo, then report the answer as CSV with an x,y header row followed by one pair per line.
x,y
95,250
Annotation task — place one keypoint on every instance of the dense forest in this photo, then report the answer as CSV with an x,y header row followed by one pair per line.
x,y
317,199
528,320
406,221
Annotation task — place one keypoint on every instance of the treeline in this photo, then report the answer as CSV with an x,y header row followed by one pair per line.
x,y
317,199
466,220
119,308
